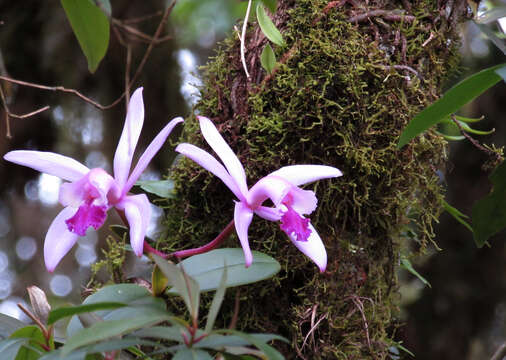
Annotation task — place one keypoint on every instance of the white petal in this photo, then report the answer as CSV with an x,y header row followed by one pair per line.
x,y
242,218
313,248
59,240
208,162
224,152
48,162
267,213
138,212
303,174
150,152
129,137
268,187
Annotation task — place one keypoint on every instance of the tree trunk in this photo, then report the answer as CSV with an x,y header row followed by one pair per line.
x,y
349,79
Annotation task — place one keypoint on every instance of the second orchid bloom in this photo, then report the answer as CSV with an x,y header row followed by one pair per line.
x,y
291,202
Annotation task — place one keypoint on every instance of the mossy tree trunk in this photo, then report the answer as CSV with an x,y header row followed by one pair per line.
x,y
349,79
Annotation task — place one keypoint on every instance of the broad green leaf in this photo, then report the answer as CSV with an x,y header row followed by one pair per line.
x,y
268,28
268,59
406,264
31,349
183,283
8,325
269,351
159,281
271,5
217,300
489,213
192,354
62,312
139,317
104,346
457,215
160,188
91,27
207,268
217,341
130,294
171,333
450,102
9,348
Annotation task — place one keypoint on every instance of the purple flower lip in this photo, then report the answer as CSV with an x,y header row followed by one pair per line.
x,y
89,194
281,187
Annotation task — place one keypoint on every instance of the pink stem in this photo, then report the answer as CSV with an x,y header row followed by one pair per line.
x,y
208,247
151,250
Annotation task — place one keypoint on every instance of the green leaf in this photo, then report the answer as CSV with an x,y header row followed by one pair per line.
x,y
62,312
217,300
489,213
91,27
268,28
34,337
8,325
268,59
406,264
139,317
171,333
159,281
183,283
457,215
131,294
192,354
271,5
9,348
160,188
218,342
207,268
450,102
269,351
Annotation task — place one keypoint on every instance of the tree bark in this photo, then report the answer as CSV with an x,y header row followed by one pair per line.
x,y
352,74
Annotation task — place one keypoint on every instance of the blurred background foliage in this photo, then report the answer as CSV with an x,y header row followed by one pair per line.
x,y
463,315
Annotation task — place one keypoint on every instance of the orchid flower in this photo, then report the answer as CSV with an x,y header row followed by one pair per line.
x,y
89,194
291,203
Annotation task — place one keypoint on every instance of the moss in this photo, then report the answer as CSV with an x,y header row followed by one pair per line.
x,y
336,98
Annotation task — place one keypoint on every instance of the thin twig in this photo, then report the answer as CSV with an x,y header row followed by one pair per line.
x,y
385,14
143,18
243,39
9,114
500,353
74,92
35,320
127,75
151,45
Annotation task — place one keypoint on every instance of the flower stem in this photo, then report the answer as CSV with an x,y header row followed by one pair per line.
x,y
208,247
150,250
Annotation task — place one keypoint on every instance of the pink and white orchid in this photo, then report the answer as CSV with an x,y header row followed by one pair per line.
x,y
281,187
89,194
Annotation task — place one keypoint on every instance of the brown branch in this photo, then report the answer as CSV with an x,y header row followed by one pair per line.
x,y
155,37
500,353
143,18
154,40
9,114
385,14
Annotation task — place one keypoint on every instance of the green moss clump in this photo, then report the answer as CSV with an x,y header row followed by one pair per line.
x,y
338,97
